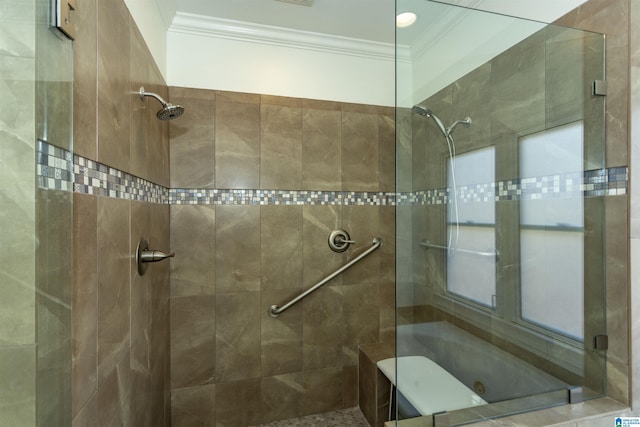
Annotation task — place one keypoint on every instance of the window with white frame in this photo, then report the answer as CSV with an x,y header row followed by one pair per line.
x,y
552,232
471,268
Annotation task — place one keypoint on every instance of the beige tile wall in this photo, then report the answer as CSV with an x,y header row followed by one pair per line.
x,y
120,369
232,364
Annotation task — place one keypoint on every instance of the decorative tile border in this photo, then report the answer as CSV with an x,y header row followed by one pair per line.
x,y
100,180
54,167
188,196
58,169
593,183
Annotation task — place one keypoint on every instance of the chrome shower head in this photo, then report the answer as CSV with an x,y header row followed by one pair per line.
x,y
421,110
425,112
168,111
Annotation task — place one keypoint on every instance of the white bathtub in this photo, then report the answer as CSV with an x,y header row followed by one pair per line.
x,y
492,373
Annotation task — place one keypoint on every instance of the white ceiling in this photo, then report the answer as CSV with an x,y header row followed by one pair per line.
x,y
363,19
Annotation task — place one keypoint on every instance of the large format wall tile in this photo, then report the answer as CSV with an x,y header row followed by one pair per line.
x,y
193,407
193,269
114,89
237,135
321,147
280,148
281,338
281,247
149,144
237,336
193,139
193,346
85,302
359,151
237,248
85,84
113,281
236,403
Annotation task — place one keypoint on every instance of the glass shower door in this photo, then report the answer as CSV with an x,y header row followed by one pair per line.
x,y
35,217
500,241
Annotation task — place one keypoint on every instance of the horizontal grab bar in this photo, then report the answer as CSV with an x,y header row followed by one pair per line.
x,y
428,244
275,310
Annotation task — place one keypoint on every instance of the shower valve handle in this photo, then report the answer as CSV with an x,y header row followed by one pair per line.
x,y
155,256
145,256
341,240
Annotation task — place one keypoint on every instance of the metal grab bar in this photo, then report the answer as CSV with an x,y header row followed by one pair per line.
x,y
275,310
428,244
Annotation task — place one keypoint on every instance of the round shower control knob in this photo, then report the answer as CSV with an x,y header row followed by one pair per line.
x,y
339,240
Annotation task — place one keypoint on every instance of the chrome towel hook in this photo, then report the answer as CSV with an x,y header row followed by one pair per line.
x,y
145,256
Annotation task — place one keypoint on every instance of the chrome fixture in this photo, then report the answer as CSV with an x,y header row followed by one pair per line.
x,y
487,253
275,310
339,240
425,112
466,122
168,111
451,145
145,256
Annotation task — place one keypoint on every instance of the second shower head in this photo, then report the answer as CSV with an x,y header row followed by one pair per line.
x,y
169,111
425,112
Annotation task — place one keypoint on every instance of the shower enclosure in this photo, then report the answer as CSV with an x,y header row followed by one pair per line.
x,y
500,269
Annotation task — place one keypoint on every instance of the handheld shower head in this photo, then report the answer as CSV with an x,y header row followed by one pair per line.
x,y
425,112
168,111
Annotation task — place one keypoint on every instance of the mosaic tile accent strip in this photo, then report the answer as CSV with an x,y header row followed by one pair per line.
x,y
54,167
593,183
100,180
59,169
188,196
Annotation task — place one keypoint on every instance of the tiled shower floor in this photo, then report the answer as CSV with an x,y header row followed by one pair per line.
x,y
343,418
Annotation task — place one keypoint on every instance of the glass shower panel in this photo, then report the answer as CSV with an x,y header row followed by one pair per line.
x,y
500,266
35,245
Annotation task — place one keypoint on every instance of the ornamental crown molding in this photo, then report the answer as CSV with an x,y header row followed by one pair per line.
x,y
206,26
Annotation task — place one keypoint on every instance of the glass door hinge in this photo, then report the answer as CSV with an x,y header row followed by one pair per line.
x,y
600,87
62,17
601,342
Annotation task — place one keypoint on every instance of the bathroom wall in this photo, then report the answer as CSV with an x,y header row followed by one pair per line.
x,y
120,370
258,183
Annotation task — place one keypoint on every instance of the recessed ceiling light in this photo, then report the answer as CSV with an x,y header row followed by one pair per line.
x,y
405,19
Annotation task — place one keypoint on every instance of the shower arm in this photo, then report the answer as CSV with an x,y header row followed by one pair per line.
x,y
143,93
